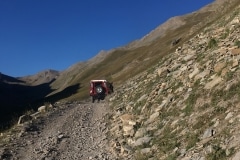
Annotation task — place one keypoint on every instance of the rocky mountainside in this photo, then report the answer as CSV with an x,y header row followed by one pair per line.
x,y
120,64
187,105
116,65
176,97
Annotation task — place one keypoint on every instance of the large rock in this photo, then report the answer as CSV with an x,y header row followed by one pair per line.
x,y
216,80
235,51
142,141
152,118
128,124
140,132
42,109
219,66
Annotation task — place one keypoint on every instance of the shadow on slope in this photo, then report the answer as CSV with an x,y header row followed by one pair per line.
x,y
5,78
17,98
67,92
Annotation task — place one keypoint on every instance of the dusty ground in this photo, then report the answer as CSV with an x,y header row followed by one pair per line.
x,y
75,131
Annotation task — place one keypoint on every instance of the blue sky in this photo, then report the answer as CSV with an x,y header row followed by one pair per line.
x,y
54,34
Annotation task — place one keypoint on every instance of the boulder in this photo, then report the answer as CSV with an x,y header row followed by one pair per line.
x,y
42,109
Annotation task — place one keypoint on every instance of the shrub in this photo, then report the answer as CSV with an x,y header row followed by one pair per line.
x,y
237,43
212,43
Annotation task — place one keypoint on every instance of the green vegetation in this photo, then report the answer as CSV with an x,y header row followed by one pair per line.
x,y
190,102
217,154
219,95
200,58
225,34
237,43
167,141
229,76
140,156
212,43
172,157
138,107
192,139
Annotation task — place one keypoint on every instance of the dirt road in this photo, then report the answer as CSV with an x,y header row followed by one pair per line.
x,y
73,131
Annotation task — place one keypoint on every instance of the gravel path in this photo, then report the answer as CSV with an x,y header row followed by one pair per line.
x,y
74,131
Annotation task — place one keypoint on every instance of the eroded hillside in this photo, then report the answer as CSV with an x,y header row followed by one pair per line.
x,y
188,105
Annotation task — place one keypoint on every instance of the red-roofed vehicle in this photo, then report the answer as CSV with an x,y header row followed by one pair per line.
x,y
99,89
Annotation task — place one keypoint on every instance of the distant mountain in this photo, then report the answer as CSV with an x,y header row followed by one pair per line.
x,y
42,77
8,79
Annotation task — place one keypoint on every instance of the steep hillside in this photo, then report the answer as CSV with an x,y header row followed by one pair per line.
x,y
187,105
120,64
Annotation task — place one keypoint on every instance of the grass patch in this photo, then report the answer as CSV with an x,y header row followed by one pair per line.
x,y
225,34
212,43
172,156
217,154
190,102
220,95
141,156
237,43
168,141
191,139
229,76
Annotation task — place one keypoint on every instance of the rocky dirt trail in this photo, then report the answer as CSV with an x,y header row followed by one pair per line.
x,y
75,131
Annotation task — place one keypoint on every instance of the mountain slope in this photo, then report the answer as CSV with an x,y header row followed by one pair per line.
x,y
116,65
121,63
187,105
172,100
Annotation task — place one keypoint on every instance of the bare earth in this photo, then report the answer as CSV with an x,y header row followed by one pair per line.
x,y
73,131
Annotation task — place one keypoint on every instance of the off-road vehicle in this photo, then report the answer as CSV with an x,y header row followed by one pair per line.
x,y
99,89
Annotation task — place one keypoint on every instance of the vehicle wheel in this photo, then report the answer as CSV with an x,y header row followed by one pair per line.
x,y
93,99
99,89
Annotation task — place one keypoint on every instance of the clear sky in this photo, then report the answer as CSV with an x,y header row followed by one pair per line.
x,y
55,34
